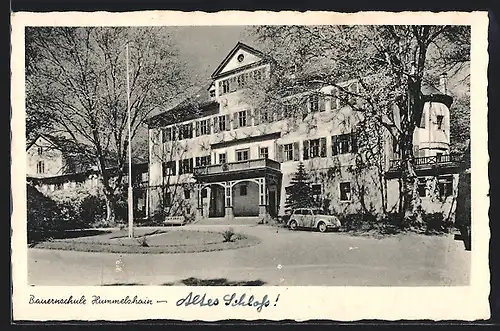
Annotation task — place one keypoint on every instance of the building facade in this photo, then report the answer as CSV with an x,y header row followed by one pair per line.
x,y
227,160
54,166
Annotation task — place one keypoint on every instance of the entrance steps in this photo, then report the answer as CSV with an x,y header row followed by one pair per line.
x,y
244,220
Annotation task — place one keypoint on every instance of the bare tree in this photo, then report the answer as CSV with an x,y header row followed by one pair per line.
x,y
78,77
387,67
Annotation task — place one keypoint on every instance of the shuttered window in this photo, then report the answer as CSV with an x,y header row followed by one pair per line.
x,y
344,143
314,148
186,166
288,152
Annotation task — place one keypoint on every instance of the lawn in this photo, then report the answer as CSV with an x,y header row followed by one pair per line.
x,y
161,241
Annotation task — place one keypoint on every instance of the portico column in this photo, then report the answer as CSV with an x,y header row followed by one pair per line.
x,y
263,200
228,200
199,205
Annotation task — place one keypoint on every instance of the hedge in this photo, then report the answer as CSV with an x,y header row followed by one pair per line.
x,y
65,210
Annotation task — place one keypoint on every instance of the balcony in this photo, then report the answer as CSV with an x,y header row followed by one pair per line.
x,y
237,170
429,165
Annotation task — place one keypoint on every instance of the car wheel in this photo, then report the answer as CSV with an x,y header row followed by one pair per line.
x,y
293,225
321,227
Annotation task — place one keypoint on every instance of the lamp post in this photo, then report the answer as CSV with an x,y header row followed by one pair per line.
x,y
130,199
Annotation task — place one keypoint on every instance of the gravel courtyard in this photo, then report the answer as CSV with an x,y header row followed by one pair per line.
x,y
283,257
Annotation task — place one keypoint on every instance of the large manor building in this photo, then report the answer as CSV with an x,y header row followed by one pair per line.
x,y
226,160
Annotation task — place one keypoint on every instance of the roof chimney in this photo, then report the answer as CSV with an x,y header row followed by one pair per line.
x,y
443,83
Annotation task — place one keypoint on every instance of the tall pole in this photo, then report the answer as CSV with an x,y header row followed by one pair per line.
x,y
130,199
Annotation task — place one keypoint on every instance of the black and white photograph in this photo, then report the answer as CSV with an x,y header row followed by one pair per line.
x,y
257,155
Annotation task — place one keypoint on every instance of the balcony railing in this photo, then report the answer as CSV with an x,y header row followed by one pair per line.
x,y
236,166
429,161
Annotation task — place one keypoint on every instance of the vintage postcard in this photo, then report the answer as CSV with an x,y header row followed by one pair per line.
x,y
249,165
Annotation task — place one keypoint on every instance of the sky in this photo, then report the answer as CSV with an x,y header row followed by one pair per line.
x,y
205,47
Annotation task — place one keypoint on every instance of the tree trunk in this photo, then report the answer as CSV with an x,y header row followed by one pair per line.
x,y
383,190
110,208
411,203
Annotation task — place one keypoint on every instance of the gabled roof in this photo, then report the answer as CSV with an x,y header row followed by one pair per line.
x,y
235,49
65,145
40,135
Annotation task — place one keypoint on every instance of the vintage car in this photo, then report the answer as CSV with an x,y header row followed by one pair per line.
x,y
312,218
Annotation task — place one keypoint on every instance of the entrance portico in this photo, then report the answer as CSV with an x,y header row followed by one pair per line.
x,y
248,188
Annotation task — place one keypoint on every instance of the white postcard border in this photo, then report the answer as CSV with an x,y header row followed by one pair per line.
x,y
296,303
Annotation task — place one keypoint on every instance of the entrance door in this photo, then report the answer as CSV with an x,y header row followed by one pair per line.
x,y
272,204
216,201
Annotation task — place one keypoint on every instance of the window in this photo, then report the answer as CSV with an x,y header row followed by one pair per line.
x,y
344,143
221,123
202,127
212,93
40,150
243,190
242,118
202,161
232,84
169,168
204,193
422,187
262,117
445,186
316,189
264,153
59,186
40,167
439,122
395,146
187,194
225,86
186,131
241,80
345,191
166,134
288,152
242,155
222,158
314,148
186,166
314,103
